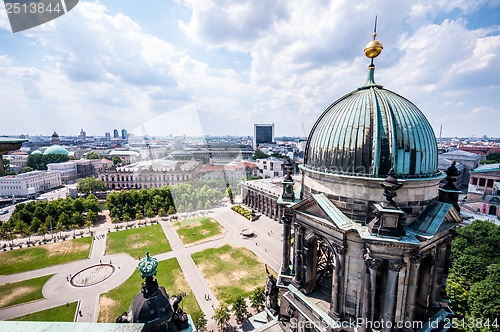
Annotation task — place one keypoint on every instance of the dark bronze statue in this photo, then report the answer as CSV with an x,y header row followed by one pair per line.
x,y
271,292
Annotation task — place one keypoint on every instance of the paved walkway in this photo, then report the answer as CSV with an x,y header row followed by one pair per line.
x,y
58,291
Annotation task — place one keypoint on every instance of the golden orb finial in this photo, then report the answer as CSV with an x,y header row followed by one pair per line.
x,y
373,48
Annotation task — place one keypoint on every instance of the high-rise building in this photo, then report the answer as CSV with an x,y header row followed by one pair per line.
x,y
83,135
263,134
115,133
124,134
107,136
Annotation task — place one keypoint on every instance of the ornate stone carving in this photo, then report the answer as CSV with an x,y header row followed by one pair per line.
x,y
340,248
396,266
418,257
374,263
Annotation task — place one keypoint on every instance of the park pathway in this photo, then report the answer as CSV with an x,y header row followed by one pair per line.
x,y
88,306
191,272
58,291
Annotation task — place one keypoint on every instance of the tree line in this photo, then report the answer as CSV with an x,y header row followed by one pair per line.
x,y
474,278
238,308
136,204
39,217
40,161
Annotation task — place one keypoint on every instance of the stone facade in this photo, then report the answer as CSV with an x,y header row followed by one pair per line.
x,y
150,174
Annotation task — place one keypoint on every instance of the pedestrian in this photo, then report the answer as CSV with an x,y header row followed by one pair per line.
x,y
67,304
110,262
256,244
67,278
80,313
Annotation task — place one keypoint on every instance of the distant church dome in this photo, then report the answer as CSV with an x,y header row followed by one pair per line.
x,y
55,140
369,131
37,152
56,149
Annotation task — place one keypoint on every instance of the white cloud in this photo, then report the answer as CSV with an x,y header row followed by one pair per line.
x,y
104,70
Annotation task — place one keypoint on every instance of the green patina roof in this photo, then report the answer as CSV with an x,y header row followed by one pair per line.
x,y
369,131
56,149
8,140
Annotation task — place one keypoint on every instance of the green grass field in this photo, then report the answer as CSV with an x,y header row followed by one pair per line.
x,y
57,314
169,275
197,230
22,291
136,241
230,271
34,258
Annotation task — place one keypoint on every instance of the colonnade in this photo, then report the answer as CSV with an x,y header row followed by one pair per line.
x,y
263,203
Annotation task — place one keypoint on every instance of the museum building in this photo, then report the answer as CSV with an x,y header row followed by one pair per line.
x,y
368,238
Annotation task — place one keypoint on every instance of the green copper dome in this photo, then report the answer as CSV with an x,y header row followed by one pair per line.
x,y
369,131
56,149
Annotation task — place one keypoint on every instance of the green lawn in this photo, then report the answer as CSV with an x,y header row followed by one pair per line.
x,y
169,275
230,271
34,258
57,314
22,291
136,241
198,229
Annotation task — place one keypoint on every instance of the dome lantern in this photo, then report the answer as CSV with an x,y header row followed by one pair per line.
x,y
370,131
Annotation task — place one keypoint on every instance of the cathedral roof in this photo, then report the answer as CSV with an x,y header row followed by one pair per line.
x,y
369,131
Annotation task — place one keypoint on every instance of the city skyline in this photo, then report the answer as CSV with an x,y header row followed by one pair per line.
x,y
210,69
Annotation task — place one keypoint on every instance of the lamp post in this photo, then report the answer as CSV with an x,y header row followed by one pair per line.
x,y
51,233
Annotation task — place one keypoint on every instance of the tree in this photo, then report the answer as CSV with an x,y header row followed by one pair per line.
x,y
199,320
92,216
6,165
43,230
171,210
240,309
26,231
88,224
64,219
257,298
27,169
474,278
77,218
221,315
92,155
161,212
59,228
74,227
126,219
79,205
92,204
229,193
484,296
260,155
138,215
51,222
35,225
150,214
90,185
116,160
40,161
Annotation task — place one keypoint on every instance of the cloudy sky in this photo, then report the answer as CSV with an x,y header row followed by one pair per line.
x,y
217,67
